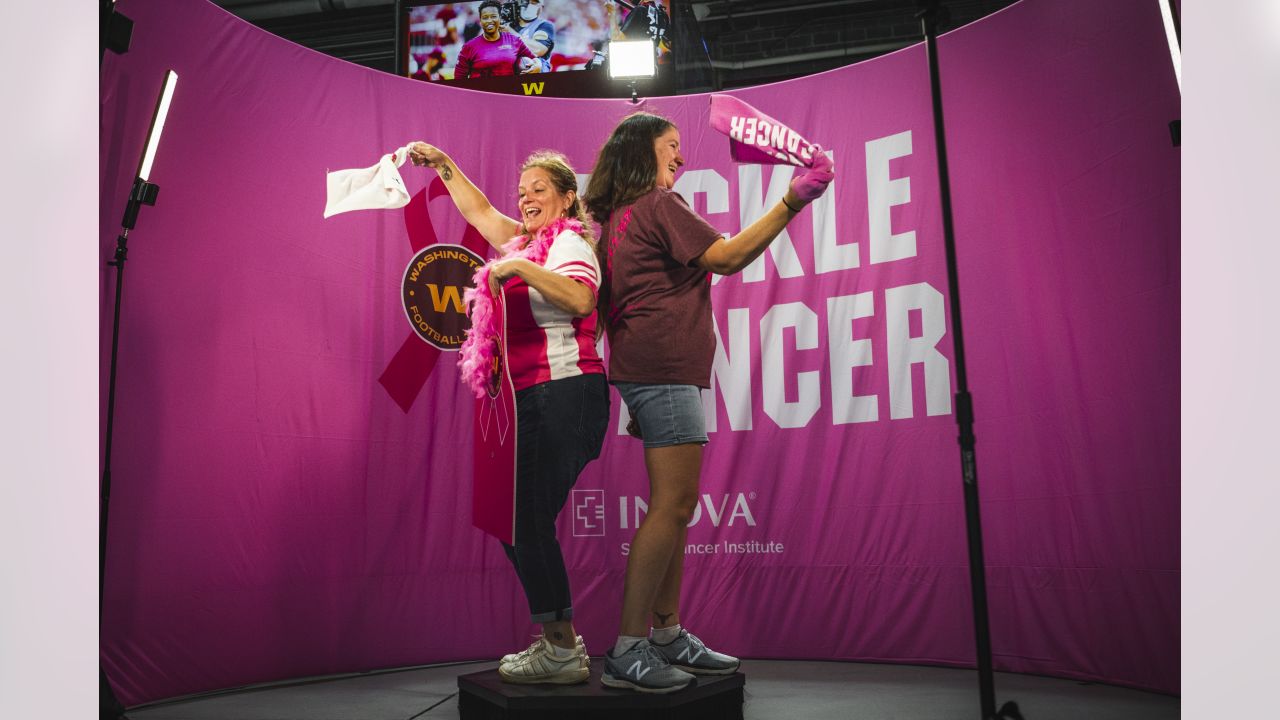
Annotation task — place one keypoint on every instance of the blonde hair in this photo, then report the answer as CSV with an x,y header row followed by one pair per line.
x,y
565,181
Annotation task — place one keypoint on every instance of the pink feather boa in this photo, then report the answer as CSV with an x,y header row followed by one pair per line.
x,y
478,351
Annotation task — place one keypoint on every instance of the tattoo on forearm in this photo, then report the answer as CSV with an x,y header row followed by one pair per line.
x,y
446,173
662,617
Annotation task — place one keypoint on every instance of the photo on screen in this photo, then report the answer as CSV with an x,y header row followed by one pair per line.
x,y
480,39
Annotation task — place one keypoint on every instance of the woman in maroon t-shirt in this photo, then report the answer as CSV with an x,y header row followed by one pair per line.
x,y
657,256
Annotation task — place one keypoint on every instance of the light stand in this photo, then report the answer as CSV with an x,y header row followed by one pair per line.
x,y
929,16
143,193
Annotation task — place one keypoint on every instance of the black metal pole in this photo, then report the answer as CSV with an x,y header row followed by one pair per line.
x,y
963,400
143,193
105,489
109,708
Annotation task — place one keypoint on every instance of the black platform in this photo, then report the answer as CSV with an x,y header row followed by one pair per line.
x,y
484,696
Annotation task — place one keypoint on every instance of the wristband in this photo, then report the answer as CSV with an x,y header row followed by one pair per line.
x,y
784,202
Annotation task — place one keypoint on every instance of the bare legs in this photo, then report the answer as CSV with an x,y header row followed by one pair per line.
x,y
655,566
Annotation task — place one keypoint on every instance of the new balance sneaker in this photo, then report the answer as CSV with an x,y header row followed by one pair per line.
x,y
540,665
537,643
643,669
688,653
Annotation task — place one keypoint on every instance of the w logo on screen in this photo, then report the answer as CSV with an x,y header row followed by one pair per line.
x,y
588,513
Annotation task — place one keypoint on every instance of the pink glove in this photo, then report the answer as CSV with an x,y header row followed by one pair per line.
x,y
810,185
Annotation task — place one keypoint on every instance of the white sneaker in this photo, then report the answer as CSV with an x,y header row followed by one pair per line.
x,y
539,665
537,642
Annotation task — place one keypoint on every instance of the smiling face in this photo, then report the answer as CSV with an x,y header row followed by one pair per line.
x,y
490,21
667,147
540,202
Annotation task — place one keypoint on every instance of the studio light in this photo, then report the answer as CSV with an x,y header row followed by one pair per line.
x,y
631,59
1173,32
144,191
157,125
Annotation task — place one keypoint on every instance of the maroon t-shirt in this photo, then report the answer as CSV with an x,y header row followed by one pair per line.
x,y
656,303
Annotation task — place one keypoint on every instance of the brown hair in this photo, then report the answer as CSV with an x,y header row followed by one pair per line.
x,y
627,166
565,181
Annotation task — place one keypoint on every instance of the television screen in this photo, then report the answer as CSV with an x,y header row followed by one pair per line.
x,y
470,40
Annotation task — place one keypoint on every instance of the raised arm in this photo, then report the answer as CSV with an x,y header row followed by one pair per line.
x,y
496,228
726,257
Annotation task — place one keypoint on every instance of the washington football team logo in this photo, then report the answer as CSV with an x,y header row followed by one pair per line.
x,y
432,292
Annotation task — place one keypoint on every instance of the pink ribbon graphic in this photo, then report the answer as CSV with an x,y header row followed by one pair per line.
x,y
493,412
413,363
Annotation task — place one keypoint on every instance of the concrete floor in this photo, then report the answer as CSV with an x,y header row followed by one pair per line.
x,y
788,690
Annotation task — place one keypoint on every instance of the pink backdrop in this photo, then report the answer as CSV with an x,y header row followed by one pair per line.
x,y
277,513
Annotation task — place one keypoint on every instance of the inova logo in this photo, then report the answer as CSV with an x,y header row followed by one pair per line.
x,y
588,513
631,510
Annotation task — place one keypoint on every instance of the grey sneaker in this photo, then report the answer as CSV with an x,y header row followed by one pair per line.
x,y
537,643
688,653
643,669
541,666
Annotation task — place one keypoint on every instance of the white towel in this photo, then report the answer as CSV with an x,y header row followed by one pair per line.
x,y
373,188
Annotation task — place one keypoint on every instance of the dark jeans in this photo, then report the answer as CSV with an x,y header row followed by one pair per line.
x,y
561,428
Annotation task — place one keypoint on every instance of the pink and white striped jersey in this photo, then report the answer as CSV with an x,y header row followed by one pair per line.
x,y
544,342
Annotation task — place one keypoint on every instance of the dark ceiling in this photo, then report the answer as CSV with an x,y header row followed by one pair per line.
x,y
747,41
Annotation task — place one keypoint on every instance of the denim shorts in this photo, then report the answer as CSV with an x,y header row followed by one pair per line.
x,y
666,414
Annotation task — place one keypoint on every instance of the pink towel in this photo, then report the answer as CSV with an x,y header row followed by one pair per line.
x,y
756,137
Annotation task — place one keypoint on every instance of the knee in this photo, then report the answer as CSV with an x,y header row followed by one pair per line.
x,y
677,508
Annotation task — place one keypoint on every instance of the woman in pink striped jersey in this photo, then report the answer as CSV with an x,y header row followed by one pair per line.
x,y
549,275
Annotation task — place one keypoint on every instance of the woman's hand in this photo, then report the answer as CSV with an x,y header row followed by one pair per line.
x,y
810,185
424,155
502,272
